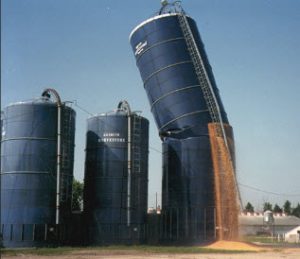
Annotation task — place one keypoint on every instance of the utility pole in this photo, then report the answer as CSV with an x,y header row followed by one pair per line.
x,y
156,201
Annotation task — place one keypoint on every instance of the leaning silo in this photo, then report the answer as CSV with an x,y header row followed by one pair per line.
x,y
116,177
184,100
36,171
166,66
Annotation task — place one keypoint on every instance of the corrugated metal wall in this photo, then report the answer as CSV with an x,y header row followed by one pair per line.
x,y
28,171
109,217
182,115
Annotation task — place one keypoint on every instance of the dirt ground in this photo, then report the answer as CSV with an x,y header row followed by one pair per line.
x,y
257,252
86,254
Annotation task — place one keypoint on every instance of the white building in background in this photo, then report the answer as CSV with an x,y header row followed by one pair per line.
x,y
283,227
293,236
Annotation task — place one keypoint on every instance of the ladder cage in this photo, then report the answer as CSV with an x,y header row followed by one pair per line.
x,y
206,86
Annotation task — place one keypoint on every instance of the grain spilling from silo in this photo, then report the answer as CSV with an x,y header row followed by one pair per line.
x,y
184,99
226,194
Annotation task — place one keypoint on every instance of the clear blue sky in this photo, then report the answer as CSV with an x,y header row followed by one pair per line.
x,y
81,48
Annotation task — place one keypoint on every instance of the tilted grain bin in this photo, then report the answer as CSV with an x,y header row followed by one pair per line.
x,y
169,77
184,100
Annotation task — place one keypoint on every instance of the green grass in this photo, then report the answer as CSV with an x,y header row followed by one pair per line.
x,y
116,250
261,239
36,251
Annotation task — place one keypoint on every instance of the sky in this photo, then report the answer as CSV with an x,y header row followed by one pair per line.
x,y
81,48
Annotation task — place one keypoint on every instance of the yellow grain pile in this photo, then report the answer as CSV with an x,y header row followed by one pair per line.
x,y
232,245
227,208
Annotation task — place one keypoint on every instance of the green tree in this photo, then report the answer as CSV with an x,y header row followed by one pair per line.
x,y
267,206
77,195
296,211
249,207
277,209
287,207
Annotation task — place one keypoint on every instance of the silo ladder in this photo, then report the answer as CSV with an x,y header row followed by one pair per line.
x,y
137,130
205,84
207,89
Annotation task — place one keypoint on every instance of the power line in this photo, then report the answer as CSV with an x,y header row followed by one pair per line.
x,y
155,149
86,111
268,192
82,109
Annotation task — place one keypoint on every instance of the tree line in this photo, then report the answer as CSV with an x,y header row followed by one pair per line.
x,y
286,208
77,195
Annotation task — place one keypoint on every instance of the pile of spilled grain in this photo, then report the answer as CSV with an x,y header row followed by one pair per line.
x,y
233,245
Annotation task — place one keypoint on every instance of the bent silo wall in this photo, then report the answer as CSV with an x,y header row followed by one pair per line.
x,y
182,115
169,77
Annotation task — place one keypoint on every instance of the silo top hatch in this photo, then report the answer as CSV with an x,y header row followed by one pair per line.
x,y
167,9
150,20
123,109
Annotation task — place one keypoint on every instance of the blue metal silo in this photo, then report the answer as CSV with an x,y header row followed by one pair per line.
x,y
116,177
188,194
166,66
184,100
29,163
